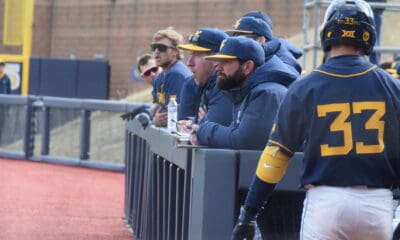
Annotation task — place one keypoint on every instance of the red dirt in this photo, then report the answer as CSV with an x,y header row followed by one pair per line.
x,y
47,201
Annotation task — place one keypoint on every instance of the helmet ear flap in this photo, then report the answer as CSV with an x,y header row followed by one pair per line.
x,y
349,22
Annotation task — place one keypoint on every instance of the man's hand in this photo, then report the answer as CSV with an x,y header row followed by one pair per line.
x,y
245,226
160,119
193,137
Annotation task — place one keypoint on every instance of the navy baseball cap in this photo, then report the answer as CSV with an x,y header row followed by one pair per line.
x,y
239,48
260,15
205,40
251,25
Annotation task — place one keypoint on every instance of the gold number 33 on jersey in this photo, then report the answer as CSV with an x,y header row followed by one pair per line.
x,y
339,124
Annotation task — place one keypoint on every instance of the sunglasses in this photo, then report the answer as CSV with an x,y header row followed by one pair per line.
x,y
160,47
148,72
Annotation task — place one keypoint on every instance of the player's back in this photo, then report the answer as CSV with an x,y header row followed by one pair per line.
x,y
352,134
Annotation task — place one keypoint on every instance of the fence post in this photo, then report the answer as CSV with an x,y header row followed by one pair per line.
x,y
85,134
29,138
45,130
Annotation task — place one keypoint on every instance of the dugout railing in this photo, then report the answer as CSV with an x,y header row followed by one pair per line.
x,y
176,192
82,132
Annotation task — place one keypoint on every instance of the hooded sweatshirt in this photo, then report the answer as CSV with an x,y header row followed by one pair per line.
x,y
217,103
213,100
254,107
287,52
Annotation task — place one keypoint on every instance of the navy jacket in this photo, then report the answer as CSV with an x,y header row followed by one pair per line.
x,y
5,84
170,82
218,105
190,99
294,51
287,52
255,106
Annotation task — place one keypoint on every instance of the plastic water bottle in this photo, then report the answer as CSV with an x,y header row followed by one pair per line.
x,y
172,114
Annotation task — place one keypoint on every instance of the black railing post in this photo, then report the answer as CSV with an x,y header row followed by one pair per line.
x,y
85,134
45,130
29,138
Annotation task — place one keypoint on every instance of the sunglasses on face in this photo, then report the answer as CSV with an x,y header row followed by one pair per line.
x,y
148,72
160,47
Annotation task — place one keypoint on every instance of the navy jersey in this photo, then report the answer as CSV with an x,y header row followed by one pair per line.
x,y
347,114
5,84
170,82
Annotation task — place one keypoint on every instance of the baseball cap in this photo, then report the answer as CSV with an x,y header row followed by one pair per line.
x,y
240,48
205,40
260,15
251,25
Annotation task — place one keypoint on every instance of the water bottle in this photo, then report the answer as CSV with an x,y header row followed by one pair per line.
x,y
172,114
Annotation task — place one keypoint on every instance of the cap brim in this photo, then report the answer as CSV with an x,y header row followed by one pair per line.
x,y
217,57
192,47
238,31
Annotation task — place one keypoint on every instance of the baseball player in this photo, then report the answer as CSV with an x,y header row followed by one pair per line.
x,y
259,30
293,50
346,113
169,82
147,68
211,103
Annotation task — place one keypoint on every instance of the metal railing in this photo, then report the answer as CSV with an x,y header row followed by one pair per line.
x,y
31,126
183,193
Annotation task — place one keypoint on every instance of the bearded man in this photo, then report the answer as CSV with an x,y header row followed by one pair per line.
x,y
256,84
